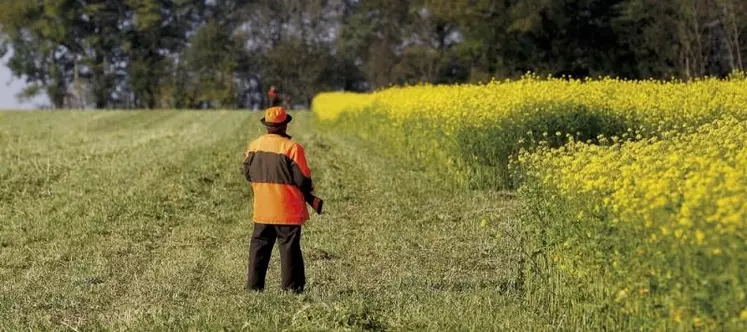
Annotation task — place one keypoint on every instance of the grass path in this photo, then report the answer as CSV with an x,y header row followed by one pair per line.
x,y
141,220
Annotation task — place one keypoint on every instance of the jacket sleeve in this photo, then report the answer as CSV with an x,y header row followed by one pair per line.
x,y
300,169
248,164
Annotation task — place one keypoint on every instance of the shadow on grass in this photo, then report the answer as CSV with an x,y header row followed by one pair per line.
x,y
487,150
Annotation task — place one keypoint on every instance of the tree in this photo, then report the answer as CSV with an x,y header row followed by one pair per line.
x,y
44,51
211,61
684,38
222,53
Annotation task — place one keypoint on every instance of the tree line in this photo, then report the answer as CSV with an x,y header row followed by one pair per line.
x,y
227,53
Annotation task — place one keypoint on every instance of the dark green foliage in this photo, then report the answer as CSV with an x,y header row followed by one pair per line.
x,y
226,53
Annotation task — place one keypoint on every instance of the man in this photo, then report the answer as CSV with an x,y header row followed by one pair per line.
x,y
272,97
281,180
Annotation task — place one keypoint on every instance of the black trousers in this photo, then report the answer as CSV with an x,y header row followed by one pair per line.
x,y
293,274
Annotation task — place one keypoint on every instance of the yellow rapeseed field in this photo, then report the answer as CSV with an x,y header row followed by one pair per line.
x,y
667,213
692,187
650,105
636,191
475,129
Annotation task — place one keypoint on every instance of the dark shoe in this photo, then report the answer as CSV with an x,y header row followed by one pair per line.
x,y
293,290
254,288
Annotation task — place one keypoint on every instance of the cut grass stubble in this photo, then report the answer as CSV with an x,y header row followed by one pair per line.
x,y
141,220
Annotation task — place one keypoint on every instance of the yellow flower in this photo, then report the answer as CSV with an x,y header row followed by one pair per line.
x,y
699,236
677,314
698,322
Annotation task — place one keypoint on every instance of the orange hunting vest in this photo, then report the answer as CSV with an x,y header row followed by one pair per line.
x,y
276,166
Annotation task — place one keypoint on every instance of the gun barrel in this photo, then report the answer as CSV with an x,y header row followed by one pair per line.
x,y
316,203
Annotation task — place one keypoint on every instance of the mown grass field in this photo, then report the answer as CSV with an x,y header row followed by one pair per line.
x,y
140,220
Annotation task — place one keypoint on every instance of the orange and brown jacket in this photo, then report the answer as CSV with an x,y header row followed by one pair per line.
x,y
276,166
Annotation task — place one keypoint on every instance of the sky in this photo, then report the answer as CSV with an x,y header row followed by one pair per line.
x,y
10,86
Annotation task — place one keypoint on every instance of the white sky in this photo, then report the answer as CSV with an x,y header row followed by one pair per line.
x,y
10,86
